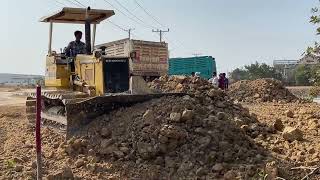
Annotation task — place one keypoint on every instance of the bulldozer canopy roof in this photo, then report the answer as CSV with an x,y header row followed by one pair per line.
x,y
78,16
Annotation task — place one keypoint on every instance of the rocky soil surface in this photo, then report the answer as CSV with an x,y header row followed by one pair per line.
x,y
314,91
261,90
204,135
298,153
303,91
179,137
18,156
180,84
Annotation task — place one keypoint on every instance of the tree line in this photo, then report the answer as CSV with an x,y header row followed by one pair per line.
x,y
255,71
303,75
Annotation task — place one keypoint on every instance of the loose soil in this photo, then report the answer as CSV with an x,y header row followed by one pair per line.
x,y
205,136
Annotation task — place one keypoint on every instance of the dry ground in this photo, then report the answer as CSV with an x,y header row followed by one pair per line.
x,y
301,154
17,150
9,96
300,91
17,147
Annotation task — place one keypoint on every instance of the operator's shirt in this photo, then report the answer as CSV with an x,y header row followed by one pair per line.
x,y
75,48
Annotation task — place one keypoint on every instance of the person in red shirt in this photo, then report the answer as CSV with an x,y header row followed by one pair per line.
x,y
221,81
226,81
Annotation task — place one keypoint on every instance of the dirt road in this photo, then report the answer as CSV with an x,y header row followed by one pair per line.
x,y
13,96
300,91
303,92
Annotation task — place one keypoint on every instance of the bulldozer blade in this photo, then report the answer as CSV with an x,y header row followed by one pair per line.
x,y
79,114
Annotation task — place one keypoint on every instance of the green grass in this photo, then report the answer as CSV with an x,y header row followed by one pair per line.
x,y
10,163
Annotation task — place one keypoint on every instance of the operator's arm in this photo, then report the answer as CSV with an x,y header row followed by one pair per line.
x,y
83,48
68,49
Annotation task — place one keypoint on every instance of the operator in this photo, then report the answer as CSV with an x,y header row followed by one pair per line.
x,y
77,46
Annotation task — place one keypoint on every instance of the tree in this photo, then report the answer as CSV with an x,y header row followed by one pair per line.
x,y
315,75
315,20
314,51
238,74
302,75
307,75
255,71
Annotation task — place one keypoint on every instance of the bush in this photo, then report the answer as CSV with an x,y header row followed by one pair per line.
x,y
315,75
302,75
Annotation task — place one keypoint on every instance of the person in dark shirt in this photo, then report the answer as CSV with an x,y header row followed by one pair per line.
x,y
226,81
77,46
193,74
221,81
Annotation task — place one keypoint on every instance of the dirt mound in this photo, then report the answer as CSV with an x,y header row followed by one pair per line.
x,y
186,84
260,90
205,136
314,91
175,137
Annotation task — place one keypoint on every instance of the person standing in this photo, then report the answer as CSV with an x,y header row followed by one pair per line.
x,y
221,82
226,81
214,80
193,74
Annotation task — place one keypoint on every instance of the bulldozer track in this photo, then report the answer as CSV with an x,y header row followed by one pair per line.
x,y
61,95
68,112
49,120
46,121
53,124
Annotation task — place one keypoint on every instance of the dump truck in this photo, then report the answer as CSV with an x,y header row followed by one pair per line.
x,y
81,87
205,66
151,57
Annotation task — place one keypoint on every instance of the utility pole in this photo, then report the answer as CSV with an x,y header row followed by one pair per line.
x,y
160,32
129,32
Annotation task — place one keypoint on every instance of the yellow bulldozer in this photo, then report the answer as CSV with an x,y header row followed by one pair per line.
x,y
80,88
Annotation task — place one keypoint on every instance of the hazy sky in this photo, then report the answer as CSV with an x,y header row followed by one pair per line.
x,y
235,32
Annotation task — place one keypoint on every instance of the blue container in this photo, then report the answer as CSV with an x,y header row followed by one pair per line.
x,y
205,65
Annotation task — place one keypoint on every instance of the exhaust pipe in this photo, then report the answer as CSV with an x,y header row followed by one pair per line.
x,y
88,32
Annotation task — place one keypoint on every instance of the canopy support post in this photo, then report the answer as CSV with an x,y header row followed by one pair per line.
x,y
94,35
50,39
88,32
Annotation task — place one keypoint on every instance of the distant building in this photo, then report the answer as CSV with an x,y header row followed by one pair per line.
x,y
287,67
309,60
